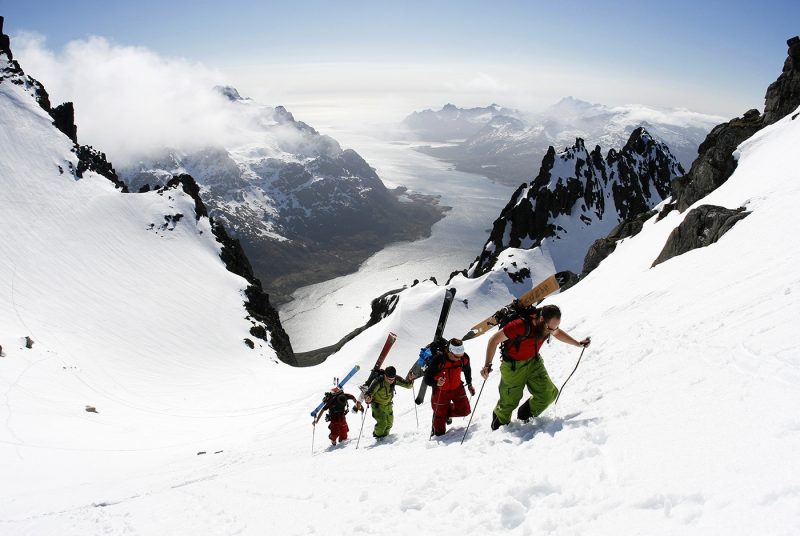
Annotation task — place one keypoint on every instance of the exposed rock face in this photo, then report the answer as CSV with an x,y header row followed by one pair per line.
x,y
382,306
63,116
701,227
579,196
5,42
715,162
713,166
262,314
92,160
783,95
604,247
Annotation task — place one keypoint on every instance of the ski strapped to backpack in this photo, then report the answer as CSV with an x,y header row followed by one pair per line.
x,y
515,309
426,354
339,384
376,370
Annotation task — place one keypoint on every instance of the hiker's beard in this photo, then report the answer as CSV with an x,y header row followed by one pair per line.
x,y
539,329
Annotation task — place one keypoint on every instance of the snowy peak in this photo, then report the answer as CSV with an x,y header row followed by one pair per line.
x,y
570,106
288,192
579,196
452,122
509,151
230,93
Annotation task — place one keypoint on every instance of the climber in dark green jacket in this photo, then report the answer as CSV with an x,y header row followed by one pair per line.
x,y
380,396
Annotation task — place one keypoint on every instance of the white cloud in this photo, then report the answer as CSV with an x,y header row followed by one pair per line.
x,y
129,100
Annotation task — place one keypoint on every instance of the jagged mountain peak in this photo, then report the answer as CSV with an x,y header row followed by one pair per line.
x,y
580,196
230,93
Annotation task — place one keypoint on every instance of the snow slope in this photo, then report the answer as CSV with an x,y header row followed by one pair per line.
x,y
113,289
680,419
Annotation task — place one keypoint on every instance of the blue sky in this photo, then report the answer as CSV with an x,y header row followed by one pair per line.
x,y
711,56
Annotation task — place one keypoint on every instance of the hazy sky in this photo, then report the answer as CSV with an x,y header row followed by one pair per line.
x,y
376,57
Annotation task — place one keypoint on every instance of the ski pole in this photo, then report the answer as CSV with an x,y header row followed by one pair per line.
x,y
415,405
313,434
435,408
363,418
473,411
570,376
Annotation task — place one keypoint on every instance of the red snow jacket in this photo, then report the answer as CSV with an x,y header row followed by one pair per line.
x,y
442,367
518,347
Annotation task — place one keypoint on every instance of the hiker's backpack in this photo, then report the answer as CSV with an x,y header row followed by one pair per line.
x,y
512,312
337,404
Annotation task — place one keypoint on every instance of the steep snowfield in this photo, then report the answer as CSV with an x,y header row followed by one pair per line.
x,y
131,314
680,419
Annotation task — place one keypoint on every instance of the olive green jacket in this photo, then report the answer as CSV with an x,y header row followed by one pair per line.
x,y
382,392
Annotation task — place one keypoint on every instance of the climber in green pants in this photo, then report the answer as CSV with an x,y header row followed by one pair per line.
x,y
522,364
380,396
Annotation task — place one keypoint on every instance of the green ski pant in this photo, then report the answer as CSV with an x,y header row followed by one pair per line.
x,y
384,418
530,374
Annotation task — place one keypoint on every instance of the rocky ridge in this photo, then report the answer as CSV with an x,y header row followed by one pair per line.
x,y
507,147
63,115
714,165
578,196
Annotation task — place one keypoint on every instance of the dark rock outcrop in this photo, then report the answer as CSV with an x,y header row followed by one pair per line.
x,y
382,306
715,162
92,160
580,185
604,247
783,95
5,41
701,227
63,116
189,185
64,120
262,313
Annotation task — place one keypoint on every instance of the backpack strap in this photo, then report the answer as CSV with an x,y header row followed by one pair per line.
x,y
517,341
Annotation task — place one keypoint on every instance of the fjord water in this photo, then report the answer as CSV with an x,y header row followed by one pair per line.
x,y
321,314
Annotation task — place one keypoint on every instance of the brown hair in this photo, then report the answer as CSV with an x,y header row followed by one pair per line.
x,y
549,312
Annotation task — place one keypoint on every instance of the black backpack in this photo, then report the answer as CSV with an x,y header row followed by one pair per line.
x,y
337,404
512,312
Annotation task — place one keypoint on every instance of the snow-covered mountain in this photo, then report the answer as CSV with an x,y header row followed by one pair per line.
x,y
508,148
138,410
578,197
304,209
452,122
